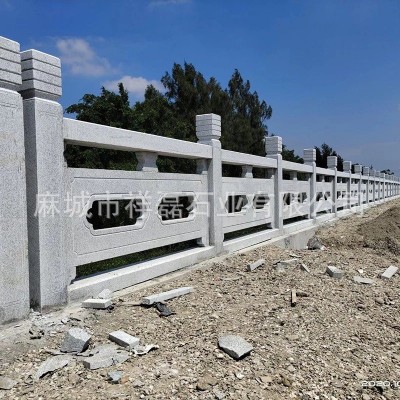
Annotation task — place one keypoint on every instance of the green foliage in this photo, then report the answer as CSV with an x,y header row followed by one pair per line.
x,y
172,114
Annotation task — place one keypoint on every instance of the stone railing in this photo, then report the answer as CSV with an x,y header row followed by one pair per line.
x,y
55,218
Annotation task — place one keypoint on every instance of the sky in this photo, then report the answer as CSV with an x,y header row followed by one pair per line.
x,y
329,68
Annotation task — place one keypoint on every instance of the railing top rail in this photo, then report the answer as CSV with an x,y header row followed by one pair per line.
x,y
292,166
325,171
236,158
101,136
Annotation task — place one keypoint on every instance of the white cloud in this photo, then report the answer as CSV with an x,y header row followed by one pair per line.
x,y
81,59
135,85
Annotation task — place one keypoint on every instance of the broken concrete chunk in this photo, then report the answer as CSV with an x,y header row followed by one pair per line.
x,y
124,339
389,272
304,267
334,272
76,340
142,350
105,356
52,364
160,297
315,244
235,346
6,383
254,265
115,376
100,304
365,281
293,297
105,294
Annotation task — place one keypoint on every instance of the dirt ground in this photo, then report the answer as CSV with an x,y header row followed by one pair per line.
x,y
339,338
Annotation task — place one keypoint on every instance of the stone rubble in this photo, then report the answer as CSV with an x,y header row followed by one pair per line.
x,y
100,304
235,346
124,339
76,340
164,296
334,272
390,272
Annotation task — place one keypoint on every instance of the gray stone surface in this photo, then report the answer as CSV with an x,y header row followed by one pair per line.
x,y
14,268
6,383
115,376
235,346
390,271
105,356
254,265
124,339
334,272
76,340
160,297
105,294
363,280
52,364
40,81
10,64
100,304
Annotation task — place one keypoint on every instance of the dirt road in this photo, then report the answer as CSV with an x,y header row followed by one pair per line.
x,y
338,338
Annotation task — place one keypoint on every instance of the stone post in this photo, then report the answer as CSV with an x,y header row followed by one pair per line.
x,y
358,170
309,156
43,119
347,168
14,270
273,149
208,131
378,182
372,173
332,164
365,172
383,177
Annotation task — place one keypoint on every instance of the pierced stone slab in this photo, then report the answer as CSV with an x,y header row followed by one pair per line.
x,y
389,272
52,364
254,265
124,339
160,297
100,304
365,281
76,340
334,272
235,346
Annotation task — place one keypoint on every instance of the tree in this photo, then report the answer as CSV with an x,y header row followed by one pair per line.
x,y
322,156
172,114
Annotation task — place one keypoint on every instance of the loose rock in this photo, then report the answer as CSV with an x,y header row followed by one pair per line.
x,y
235,346
52,364
115,376
365,281
334,272
76,340
6,383
124,339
